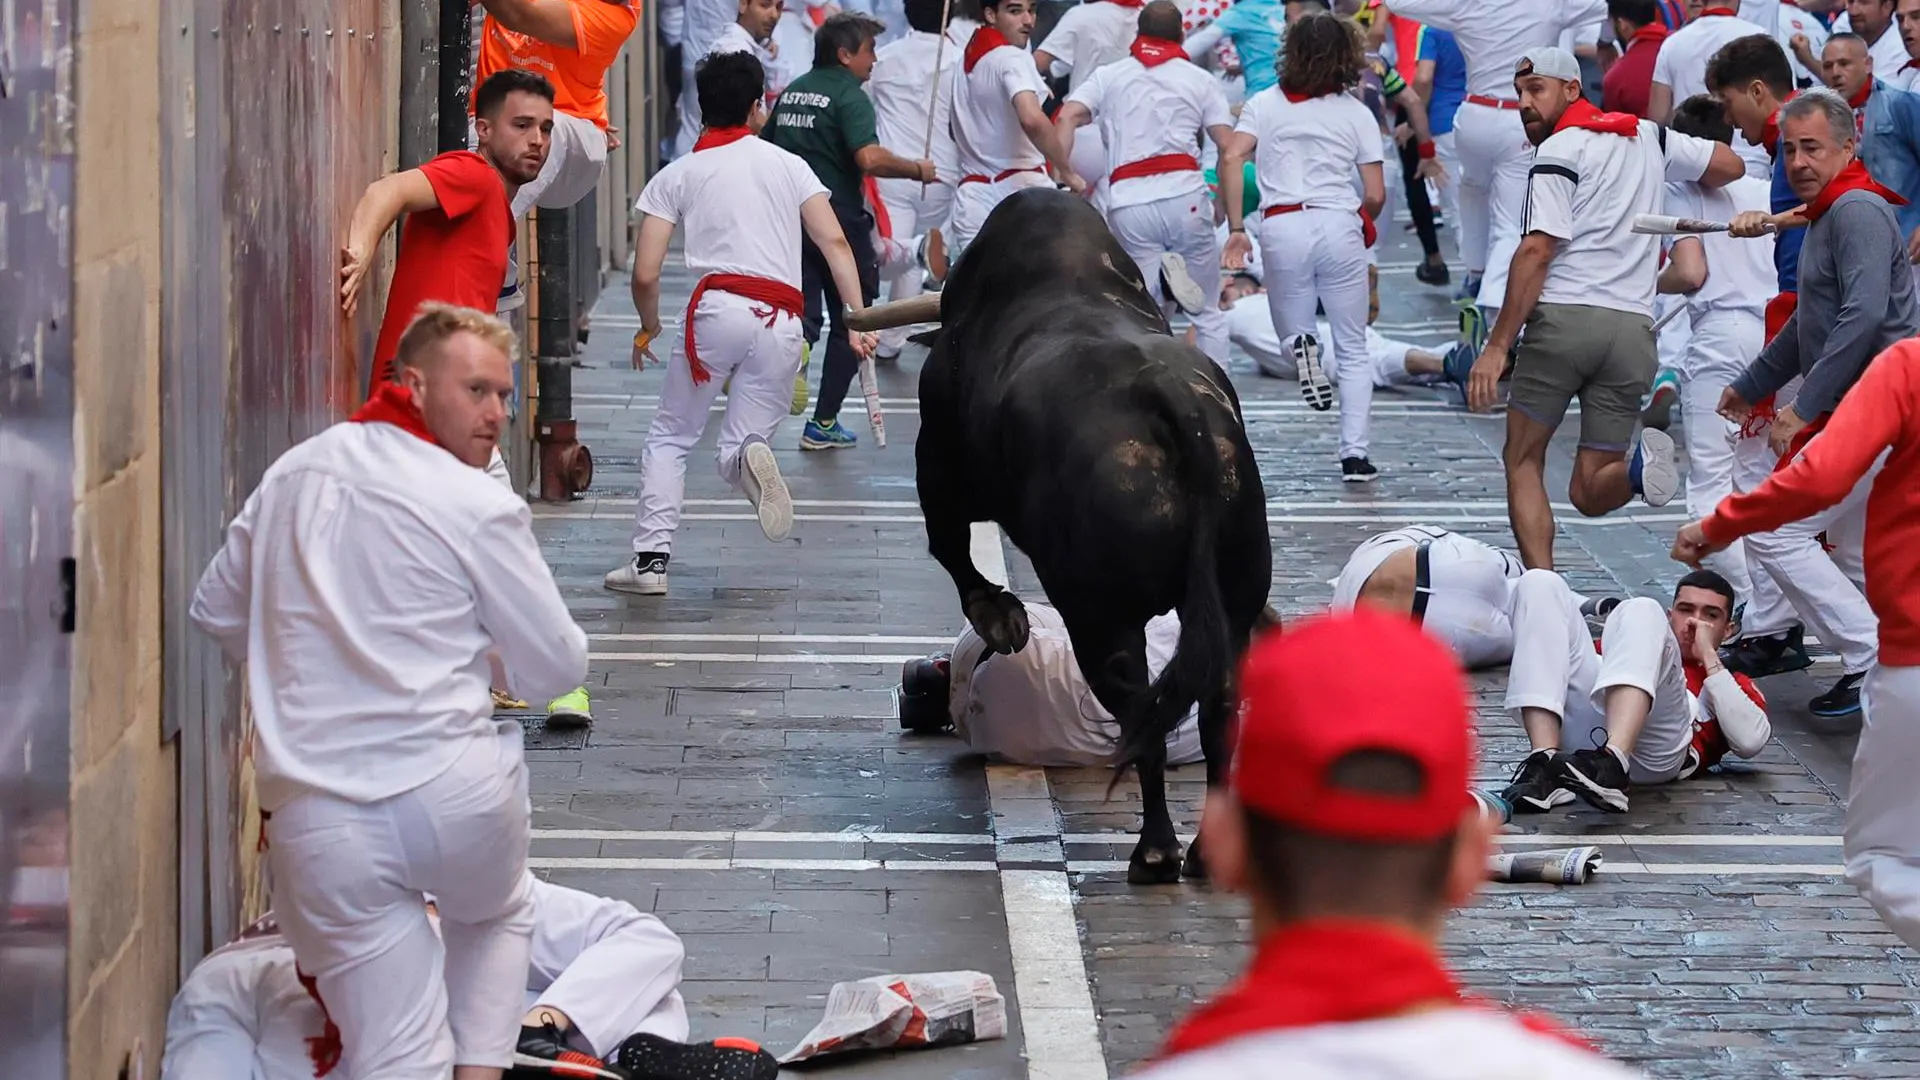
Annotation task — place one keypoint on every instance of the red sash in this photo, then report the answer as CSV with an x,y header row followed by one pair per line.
x,y
982,178
1493,102
1368,232
1799,442
777,295
882,220
1157,165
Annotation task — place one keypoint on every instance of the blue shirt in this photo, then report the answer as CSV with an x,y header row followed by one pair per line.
x,y
1786,244
1255,28
1449,77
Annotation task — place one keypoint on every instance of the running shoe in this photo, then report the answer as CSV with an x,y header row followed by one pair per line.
x,y
1179,285
570,710
800,397
1314,384
1652,472
1598,776
1842,700
1358,470
1773,654
766,489
1536,786
645,575
650,1057
1658,413
832,435
1429,273
543,1052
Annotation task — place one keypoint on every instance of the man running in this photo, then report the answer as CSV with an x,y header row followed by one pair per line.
x,y
1582,282
1154,107
366,583
743,204
572,43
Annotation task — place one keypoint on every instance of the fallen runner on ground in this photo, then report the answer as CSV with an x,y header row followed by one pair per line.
x,y
1394,363
1652,703
602,974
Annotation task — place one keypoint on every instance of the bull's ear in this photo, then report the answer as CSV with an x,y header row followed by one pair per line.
x,y
925,337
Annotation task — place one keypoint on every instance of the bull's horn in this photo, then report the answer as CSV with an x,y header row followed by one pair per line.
x,y
914,309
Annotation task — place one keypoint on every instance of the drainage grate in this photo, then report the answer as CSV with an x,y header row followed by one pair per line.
x,y
541,737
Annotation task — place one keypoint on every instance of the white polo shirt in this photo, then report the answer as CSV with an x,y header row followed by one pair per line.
x,y
901,86
986,130
1740,273
1493,34
1783,19
1308,150
1585,188
735,39
364,583
1089,37
1681,64
738,207
1144,112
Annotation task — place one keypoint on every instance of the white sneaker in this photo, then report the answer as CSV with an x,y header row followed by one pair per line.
x,y
1659,476
1180,285
647,578
1314,384
766,489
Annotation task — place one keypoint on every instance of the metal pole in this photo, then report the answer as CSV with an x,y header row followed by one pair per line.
x,y
566,468
456,73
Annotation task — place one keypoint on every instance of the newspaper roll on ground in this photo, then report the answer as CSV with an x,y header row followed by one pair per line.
x,y
905,1012
870,386
1557,866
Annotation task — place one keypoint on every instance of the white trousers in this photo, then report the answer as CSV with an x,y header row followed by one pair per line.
x,y
1249,324
1555,668
1448,151
1882,844
1823,587
613,970
973,202
1470,602
350,887
1676,337
912,213
1180,226
1494,159
1719,347
1311,257
760,350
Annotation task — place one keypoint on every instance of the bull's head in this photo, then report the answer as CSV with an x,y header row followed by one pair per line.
x,y
924,308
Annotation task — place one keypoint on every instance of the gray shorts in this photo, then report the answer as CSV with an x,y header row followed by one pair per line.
x,y
1606,358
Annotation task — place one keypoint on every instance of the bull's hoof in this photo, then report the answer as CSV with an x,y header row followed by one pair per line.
x,y
1154,866
1194,866
1000,619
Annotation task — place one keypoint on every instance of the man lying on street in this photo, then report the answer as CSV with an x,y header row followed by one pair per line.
x,y
1651,704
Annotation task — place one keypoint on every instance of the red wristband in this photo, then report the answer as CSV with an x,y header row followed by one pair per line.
x,y
1428,151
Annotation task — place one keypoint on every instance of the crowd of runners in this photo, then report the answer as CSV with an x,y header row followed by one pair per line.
x,y
1658,204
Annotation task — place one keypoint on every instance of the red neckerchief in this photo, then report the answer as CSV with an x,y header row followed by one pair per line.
x,y
1852,178
1152,52
1727,11
984,40
713,137
1653,32
1128,3
1295,98
1770,131
1910,65
393,404
1585,115
1329,971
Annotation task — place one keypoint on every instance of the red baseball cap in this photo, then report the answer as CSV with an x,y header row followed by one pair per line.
x,y
1334,684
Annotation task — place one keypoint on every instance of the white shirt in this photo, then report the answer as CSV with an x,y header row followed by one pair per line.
x,y
902,87
1494,34
1145,112
986,130
1739,272
1445,1044
1090,36
1308,150
738,207
735,39
364,583
706,20
1585,188
1889,53
1783,19
1681,64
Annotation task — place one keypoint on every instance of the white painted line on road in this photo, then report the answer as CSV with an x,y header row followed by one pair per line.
x,y
762,836
1568,839
1614,868
1430,517
750,658
1014,782
838,865
783,639
1049,974
904,505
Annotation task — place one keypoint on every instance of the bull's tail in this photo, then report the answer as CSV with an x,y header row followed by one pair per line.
x,y
1199,665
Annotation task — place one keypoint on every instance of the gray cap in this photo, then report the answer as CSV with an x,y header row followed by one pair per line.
x,y
1549,62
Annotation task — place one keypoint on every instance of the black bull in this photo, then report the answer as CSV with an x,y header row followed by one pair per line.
x,y
1056,403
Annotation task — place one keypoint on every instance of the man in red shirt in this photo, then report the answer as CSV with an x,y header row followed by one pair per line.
x,y
453,247
1879,416
1637,26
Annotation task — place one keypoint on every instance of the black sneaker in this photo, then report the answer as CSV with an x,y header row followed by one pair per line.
x,y
1842,700
1536,787
543,1052
1597,777
1358,470
1775,654
650,1057
1432,273
924,683
1599,607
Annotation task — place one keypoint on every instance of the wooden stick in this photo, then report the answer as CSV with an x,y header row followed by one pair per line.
x,y
933,103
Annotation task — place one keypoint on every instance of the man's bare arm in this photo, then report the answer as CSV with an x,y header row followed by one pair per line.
x,y
649,257
1071,118
1660,103
380,206
1686,269
877,160
1026,106
550,21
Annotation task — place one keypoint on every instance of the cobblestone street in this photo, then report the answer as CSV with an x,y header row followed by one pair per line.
x,y
746,778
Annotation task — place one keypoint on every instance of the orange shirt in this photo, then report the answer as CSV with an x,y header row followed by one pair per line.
x,y
578,75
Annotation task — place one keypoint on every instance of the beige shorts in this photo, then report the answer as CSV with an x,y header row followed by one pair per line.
x,y
1605,358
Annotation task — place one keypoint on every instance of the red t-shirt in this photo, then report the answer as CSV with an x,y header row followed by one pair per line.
x,y
455,253
1629,82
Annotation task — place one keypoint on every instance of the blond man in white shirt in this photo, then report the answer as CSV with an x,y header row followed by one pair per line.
x,y
1307,137
367,582
1153,108
1003,138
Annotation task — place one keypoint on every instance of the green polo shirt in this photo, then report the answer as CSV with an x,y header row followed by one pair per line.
x,y
825,118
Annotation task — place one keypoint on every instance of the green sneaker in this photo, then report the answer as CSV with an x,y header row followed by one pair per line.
x,y
800,396
570,710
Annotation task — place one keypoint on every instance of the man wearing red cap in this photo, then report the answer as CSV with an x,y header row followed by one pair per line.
x,y
1347,821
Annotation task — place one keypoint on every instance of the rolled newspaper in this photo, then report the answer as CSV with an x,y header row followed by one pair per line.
x,y
904,1012
1556,866
870,387
1667,225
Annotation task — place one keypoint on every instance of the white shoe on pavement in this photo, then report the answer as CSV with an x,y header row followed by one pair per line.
x,y
766,489
642,575
1314,384
1180,285
1658,479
